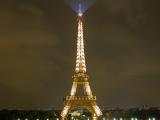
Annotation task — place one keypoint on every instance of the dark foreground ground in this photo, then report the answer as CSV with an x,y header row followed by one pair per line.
x,y
110,114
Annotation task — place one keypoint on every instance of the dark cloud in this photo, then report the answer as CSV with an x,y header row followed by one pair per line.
x,y
37,48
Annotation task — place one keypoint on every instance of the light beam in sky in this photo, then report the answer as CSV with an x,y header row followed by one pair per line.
x,y
80,6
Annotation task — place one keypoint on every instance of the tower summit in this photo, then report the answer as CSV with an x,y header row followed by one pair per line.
x,y
80,80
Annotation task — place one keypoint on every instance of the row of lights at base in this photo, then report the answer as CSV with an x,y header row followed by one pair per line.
x,y
36,119
130,119
88,119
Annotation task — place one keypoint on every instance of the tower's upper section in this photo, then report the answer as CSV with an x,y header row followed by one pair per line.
x,y
80,58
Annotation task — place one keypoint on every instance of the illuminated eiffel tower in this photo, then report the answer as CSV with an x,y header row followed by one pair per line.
x,y
81,80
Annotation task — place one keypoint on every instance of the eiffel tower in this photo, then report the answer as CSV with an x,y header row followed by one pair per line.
x,y
81,80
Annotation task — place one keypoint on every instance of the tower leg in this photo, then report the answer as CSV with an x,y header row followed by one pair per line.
x,y
65,112
94,117
64,118
97,110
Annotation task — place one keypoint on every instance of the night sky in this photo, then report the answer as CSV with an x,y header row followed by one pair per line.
x,y
38,48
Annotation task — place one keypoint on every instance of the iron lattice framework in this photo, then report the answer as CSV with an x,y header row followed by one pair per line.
x,y
81,79
80,60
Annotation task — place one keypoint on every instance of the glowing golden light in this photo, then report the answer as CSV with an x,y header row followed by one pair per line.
x,y
80,59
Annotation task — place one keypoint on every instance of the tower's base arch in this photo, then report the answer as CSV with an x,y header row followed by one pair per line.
x,y
83,102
